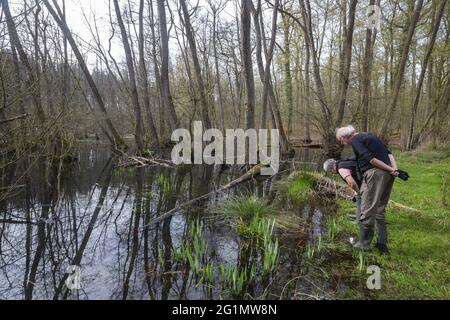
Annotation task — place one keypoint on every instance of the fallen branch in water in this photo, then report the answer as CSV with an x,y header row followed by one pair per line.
x,y
327,186
130,161
255,170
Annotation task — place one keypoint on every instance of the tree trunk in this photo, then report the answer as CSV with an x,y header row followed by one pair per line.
x,y
197,69
269,56
144,77
367,75
401,70
247,64
430,46
287,74
132,79
64,28
216,65
164,38
307,136
30,79
346,58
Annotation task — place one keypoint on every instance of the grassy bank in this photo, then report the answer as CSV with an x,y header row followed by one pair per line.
x,y
419,236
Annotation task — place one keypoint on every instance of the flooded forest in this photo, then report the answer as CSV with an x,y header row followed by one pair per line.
x,y
92,205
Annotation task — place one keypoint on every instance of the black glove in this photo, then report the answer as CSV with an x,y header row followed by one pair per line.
x,y
403,175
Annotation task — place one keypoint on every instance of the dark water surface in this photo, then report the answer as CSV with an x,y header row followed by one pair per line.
x,y
93,215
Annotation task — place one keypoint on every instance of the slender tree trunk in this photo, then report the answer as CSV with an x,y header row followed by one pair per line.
x,y
30,81
367,75
422,73
347,58
64,28
132,79
143,77
272,100
216,65
197,69
164,38
401,70
326,123
444,101
307,136
287,73
65,82
269,56
247,64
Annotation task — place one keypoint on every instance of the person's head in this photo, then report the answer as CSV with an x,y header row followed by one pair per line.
x,y
330,165
345,134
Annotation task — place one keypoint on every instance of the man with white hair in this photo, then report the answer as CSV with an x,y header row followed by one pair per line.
x,y
378,168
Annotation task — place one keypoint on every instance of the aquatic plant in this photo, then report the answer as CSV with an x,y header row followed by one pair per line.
x,y
270,259
164,183
247,207
192,251
236,279
333,228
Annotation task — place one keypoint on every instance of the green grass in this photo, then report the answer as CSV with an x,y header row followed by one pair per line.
x,y
418,266
247,207
298,189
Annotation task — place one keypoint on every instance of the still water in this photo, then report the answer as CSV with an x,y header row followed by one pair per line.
x,y
91,214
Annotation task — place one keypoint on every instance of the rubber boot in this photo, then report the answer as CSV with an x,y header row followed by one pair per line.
x,y
366,235
382,238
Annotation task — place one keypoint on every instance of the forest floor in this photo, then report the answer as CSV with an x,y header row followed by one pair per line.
x,y
419,236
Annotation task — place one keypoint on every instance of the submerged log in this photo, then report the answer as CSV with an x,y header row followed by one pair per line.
x,y
327,186
254,171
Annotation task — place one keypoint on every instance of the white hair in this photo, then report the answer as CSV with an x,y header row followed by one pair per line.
x,y
346,131
329,164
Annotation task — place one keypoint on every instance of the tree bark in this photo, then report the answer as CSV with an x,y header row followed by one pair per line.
x,y
287,74
65,29
346,58
401,70
143,77
430,46
164,38
247,64
197,69
132,79
366,75
31,81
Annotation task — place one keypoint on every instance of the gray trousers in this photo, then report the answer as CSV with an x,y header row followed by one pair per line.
x,y
375,191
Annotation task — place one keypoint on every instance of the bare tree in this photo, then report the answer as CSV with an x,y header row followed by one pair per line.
x,y
247,64
197,69
429,49
65,29
30,81
401,69
164,38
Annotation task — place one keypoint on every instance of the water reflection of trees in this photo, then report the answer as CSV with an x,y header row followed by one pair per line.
x,y
96,216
